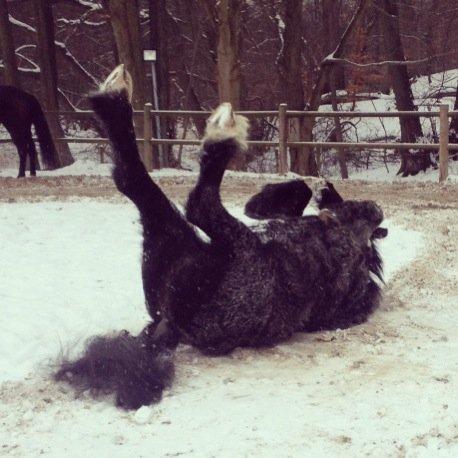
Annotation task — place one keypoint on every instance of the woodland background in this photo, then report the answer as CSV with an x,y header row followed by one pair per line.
x,y
253,53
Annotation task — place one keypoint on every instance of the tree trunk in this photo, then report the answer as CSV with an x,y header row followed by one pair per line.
x,y
341,153
324,73
331,27
336,77
158,41
410,126
291,78
228,63
126,30
48,75
453,136
7,47
194,104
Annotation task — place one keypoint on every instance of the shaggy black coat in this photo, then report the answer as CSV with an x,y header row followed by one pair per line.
x,y
19,110
243,288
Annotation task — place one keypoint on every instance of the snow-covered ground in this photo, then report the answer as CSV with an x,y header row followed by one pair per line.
x,y
74,269
388,174
70,270
429,93
376,173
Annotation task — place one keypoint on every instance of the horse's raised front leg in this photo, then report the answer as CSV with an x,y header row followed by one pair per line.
x,y
225,135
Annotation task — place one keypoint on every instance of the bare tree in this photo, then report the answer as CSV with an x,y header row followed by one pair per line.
x,y
326,68
291,79
453,137
226,14
331,14
336,77
158,21
228,62
48,75
126,30
410,125
7,47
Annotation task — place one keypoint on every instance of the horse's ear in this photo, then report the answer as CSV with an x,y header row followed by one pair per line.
x,y
328,196
379,233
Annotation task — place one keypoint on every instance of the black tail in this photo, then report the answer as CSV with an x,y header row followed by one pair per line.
x,y
48,150
134,368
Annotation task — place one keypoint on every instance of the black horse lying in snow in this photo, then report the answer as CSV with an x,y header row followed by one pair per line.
x,y
18,111
243,288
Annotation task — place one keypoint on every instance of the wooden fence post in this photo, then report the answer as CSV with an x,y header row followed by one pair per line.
x,y
443,143
147,135
282,139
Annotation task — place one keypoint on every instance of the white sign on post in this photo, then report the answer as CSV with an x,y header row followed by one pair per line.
x,y
149,55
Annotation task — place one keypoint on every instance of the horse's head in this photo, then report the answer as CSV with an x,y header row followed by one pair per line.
x,y
363,218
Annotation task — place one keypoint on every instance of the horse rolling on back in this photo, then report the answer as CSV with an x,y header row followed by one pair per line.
x,y
18,111
240,288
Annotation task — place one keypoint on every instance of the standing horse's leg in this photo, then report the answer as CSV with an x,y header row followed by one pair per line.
x,y
21,146
22,162
32,153
26,148
17,135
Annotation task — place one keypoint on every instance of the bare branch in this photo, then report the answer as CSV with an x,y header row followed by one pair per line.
x,y
330,59
59,45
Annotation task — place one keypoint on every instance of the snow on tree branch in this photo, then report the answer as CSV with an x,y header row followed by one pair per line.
x,y
59,45
92,5
331,59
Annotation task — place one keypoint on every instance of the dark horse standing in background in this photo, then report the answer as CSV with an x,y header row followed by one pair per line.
x,y
18,111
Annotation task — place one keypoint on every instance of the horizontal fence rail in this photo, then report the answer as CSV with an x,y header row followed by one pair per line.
x,y
367,114
283,115
375,145
265,143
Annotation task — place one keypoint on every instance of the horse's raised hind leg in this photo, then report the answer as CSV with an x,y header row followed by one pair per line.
x,y
169,243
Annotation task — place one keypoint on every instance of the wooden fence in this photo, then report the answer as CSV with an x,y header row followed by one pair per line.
x,y
282,144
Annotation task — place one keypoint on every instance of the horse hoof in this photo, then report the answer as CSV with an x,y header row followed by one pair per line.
x,y
224,124
223,117
118,80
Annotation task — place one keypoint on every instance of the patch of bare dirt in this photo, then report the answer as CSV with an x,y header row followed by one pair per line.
x,y
418,196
